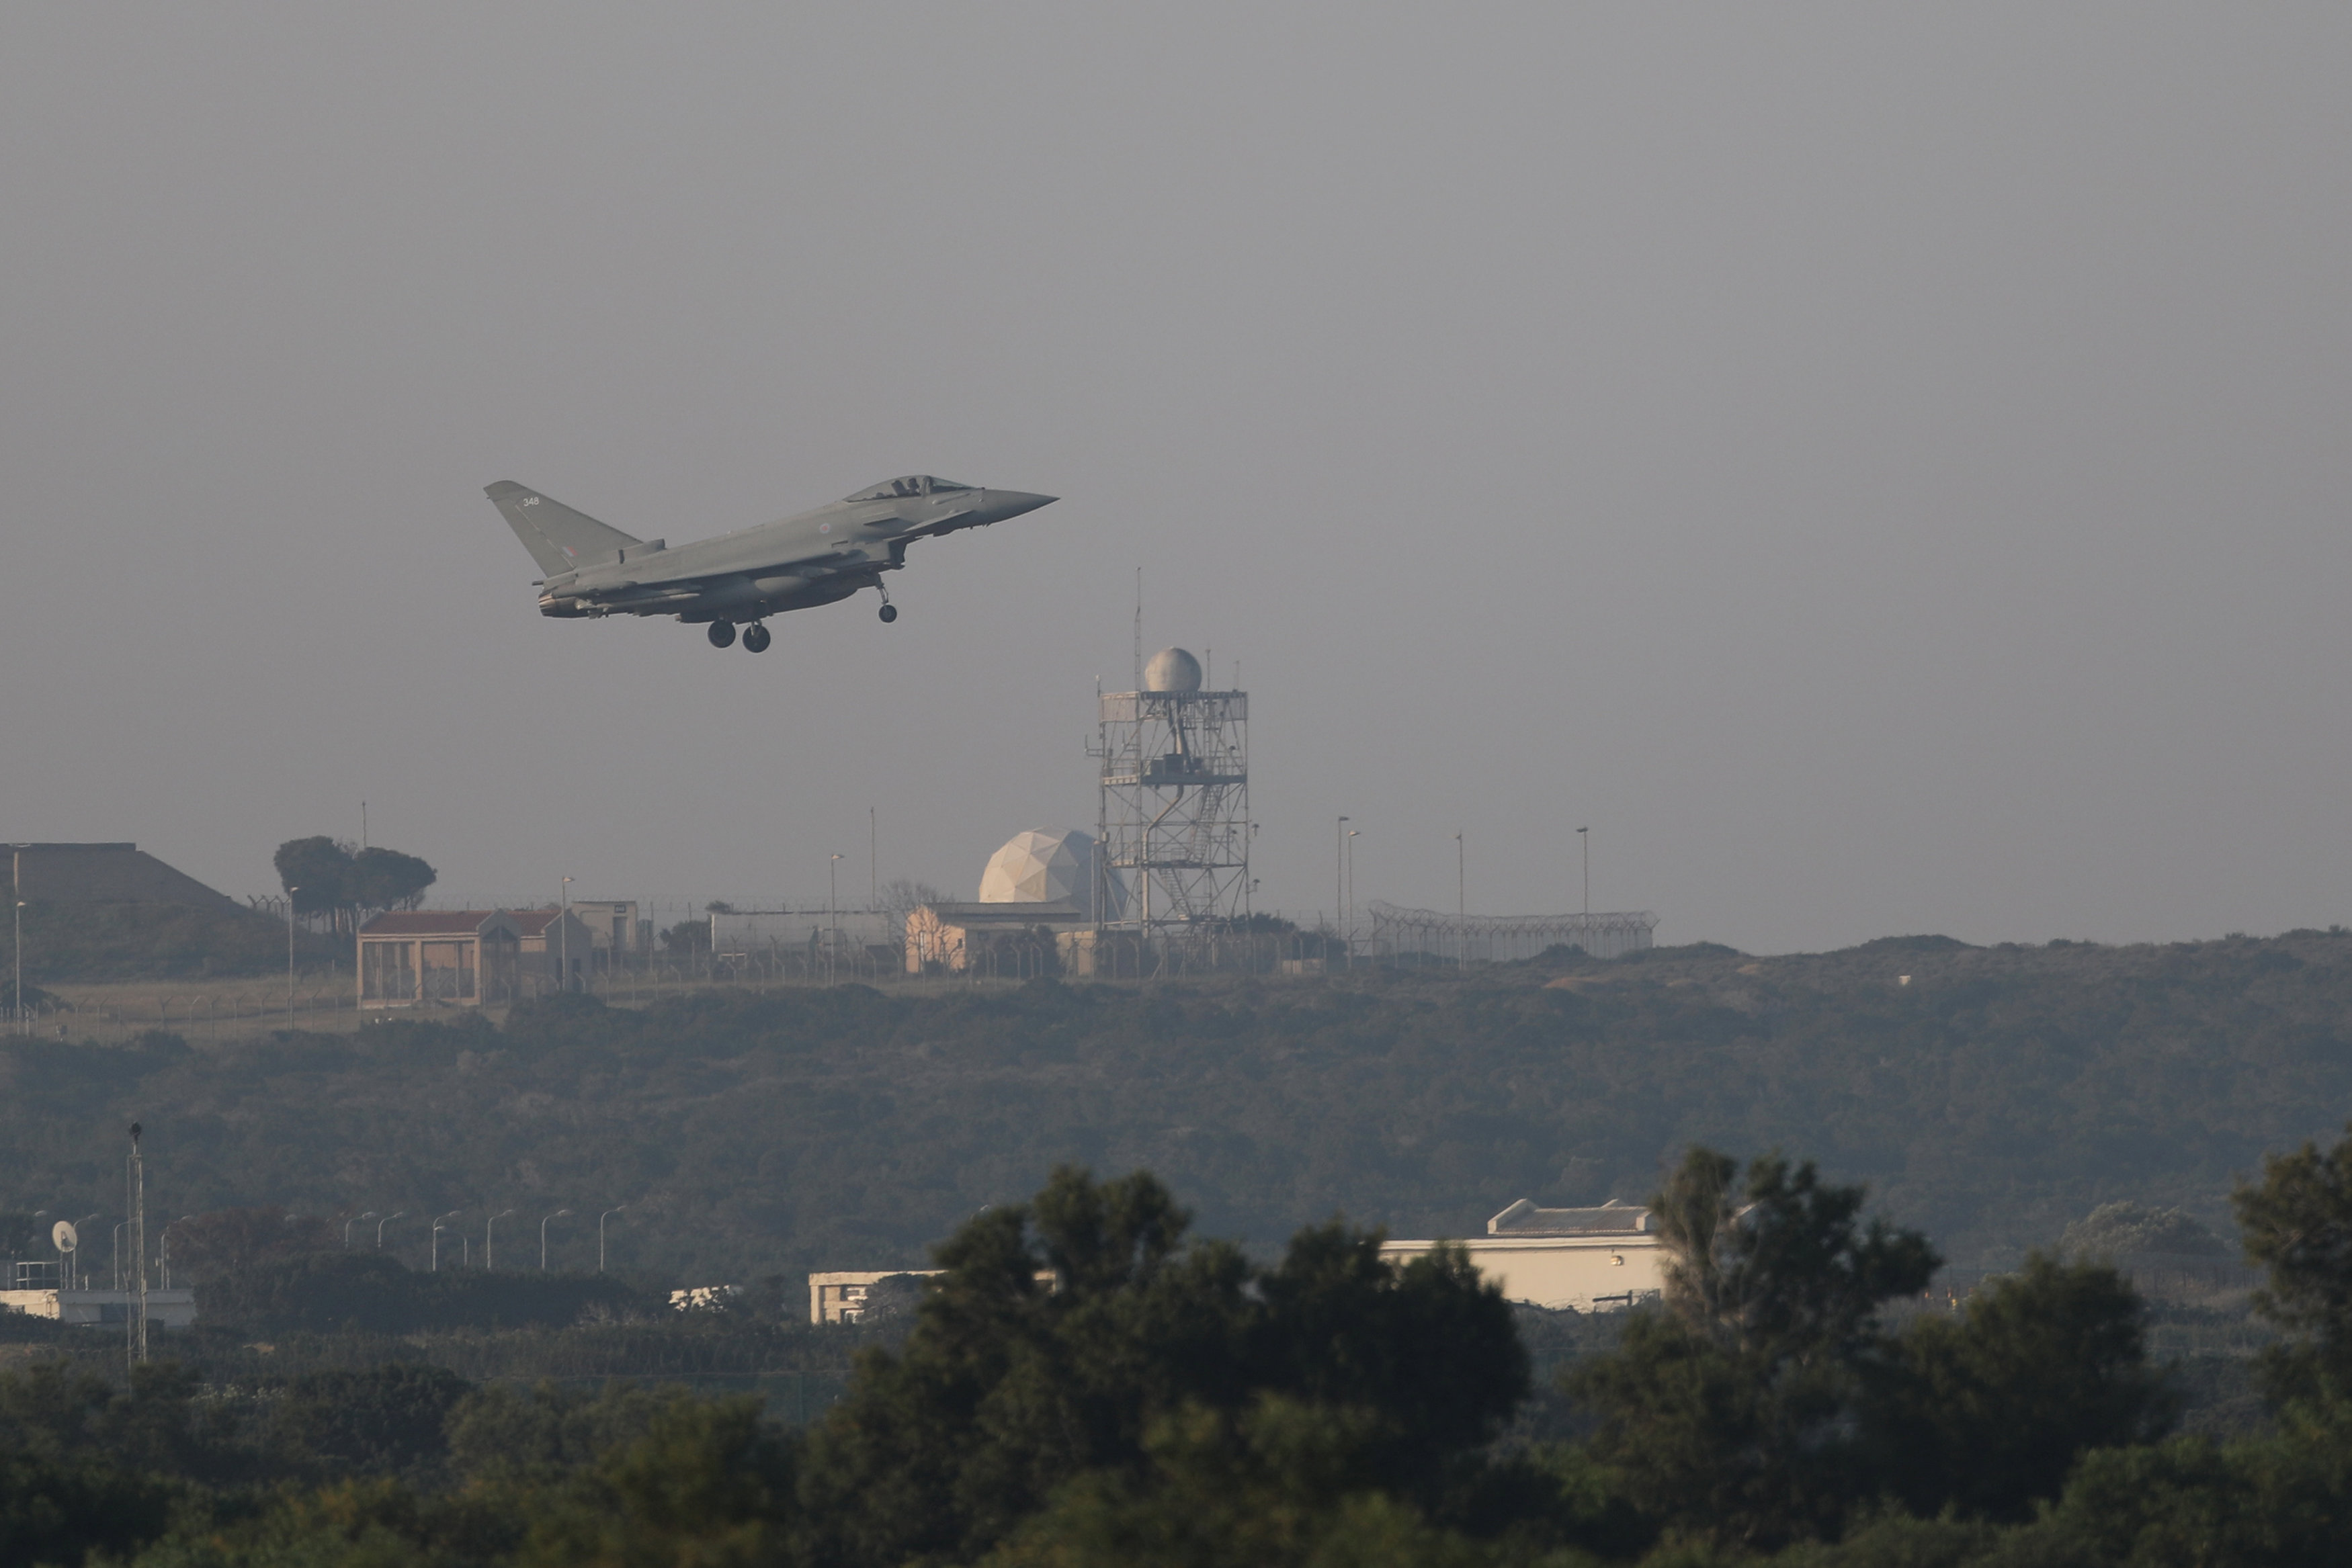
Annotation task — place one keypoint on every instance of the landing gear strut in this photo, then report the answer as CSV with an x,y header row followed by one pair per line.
x,y
889,611
755,638
722,632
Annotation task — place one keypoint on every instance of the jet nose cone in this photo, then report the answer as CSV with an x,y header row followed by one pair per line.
x,y
1012,503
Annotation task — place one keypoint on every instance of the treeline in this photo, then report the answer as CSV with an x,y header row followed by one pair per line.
x,y
1999,1096
1089,1384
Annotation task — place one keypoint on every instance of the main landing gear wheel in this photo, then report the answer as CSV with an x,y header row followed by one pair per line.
x,y
722,632
890,614
755,638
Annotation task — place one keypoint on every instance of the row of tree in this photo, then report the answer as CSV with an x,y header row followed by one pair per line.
x,y
325,875
1089,1385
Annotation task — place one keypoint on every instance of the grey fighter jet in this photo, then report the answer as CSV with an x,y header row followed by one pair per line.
x,y
742,577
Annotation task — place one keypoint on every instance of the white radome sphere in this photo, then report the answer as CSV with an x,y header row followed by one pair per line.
x,y
1047,865
1172,670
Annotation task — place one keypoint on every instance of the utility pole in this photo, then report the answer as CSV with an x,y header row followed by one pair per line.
x,y
1461,904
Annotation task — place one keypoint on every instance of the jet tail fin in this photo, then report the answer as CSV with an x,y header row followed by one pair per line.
x,y
558,537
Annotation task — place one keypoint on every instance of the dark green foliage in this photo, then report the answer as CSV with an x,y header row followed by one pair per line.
x,y
383,1420
1010,1386
707,1484
1282,1482
209,1247
155,1425
1733,1412
55,1511
1999,1096
2119,1229
329,874
1987,1412
2298,1224
543,1433
324,1291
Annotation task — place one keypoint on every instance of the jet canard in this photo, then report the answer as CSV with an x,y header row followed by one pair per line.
x,y
739,578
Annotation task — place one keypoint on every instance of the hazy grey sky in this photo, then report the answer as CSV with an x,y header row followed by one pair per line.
x,y
1883,468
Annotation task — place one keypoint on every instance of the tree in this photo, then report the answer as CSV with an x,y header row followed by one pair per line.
x,y
1732,1412
228,1241
387,879
317,873
324,874
1066,1330
2298,1224
1987,1413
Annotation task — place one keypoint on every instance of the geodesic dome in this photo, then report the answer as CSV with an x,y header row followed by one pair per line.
x,y
1048,865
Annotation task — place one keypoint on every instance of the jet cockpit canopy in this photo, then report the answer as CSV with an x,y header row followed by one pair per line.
x,y
910,485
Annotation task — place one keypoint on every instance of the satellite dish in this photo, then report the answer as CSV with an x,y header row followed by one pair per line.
x,y
65,1235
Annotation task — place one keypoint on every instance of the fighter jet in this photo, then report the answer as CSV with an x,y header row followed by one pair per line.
x,y
739,578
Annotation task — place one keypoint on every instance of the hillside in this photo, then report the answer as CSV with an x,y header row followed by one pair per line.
x,y
2001,1093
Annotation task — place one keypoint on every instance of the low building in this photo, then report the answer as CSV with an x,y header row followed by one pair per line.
x,y
1592,1259
92,1309
839,1297
1011,938
552,942
439,957
612,923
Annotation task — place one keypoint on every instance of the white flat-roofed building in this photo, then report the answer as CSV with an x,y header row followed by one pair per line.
x,y
1593,1259
92,1309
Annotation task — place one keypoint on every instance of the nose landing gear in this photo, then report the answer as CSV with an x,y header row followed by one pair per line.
x,y
755,638
722,633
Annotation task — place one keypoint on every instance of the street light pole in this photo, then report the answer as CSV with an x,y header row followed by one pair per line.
x,y
563,940
543,1237
600,1235
380,1223
1351,895
354,1220
432,1265
833,915
1461,904
290,956
1584,837
490,1241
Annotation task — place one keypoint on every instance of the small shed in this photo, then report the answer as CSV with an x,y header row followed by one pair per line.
x,y
551,941
460,957
951,936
